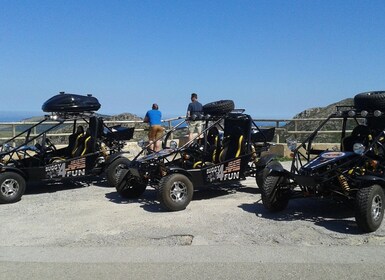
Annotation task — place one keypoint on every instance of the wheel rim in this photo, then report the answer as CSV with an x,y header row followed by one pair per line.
x,y
376,207
178,192
9,187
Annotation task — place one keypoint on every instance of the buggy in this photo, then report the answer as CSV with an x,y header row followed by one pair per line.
x,y
227,151
352,172
30,156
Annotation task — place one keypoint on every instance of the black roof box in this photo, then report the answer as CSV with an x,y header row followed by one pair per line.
x,y
71,103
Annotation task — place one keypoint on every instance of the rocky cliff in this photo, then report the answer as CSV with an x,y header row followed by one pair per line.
x,y
310,125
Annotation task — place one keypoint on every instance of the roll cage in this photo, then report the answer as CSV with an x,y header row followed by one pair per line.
x,y
304,152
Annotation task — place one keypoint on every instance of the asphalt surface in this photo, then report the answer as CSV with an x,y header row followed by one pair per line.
x,y
89,232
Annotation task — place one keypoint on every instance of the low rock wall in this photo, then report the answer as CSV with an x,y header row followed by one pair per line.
x,y
281,150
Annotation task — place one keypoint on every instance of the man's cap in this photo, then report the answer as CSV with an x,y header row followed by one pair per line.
x,y
194,95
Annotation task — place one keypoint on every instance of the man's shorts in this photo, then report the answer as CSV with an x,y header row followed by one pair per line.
x,y
155,132
195,125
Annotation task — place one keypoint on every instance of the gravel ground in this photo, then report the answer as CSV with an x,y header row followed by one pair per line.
x,y
95,215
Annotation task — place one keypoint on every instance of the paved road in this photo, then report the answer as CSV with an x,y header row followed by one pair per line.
x,y
193,262
89,232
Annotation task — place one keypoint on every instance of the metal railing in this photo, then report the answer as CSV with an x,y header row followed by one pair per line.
x,y
11,129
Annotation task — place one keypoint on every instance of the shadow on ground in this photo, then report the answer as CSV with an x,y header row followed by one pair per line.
x,y
332,215
149,199
62,185
39,188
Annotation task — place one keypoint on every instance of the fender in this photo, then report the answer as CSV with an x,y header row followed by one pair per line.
x,y
13,169
370,179
175,169
115,156
276,169
265,160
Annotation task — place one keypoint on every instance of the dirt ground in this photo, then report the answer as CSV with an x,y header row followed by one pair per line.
x,y
95,215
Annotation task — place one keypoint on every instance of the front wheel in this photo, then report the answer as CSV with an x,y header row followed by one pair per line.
x,y
129,187
175,192
273,197
370,208
12,187
114,168
260,176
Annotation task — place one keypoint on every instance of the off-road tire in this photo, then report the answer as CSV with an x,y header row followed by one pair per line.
x,y
113,170
261,176
263,172
129,188
372,100
133,191
175,192
220,107
273,199
369,208
12,187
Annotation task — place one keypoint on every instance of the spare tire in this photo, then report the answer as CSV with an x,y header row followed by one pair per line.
x,y
371,100
220,107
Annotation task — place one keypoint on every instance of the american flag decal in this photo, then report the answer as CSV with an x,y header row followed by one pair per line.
x,y
77,164
233,166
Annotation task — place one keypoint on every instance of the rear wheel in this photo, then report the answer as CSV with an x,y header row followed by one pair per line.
x,y
273,197
175,192
12,187
370,208
114,169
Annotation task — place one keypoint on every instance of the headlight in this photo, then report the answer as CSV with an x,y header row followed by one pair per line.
x,y
173,145
292,145
364,113
141,143
351,113
6,148
358,148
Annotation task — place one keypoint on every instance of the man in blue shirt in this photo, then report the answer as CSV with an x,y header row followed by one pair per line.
x,y
154,118
194,111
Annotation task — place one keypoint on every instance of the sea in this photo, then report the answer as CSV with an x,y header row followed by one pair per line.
x,y
6,116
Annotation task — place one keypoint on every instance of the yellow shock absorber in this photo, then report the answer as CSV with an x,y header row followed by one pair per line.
x,y
253,152
104,150
344,183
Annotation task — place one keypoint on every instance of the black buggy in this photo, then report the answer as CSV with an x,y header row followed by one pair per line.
x,y
353,172
228,150
93,148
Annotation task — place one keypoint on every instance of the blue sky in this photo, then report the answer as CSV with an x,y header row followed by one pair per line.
x,y
273,58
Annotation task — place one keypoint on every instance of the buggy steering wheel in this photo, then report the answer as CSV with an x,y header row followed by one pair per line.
x,y
50,145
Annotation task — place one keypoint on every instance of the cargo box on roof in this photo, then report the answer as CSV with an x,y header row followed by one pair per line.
x,y
68,102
